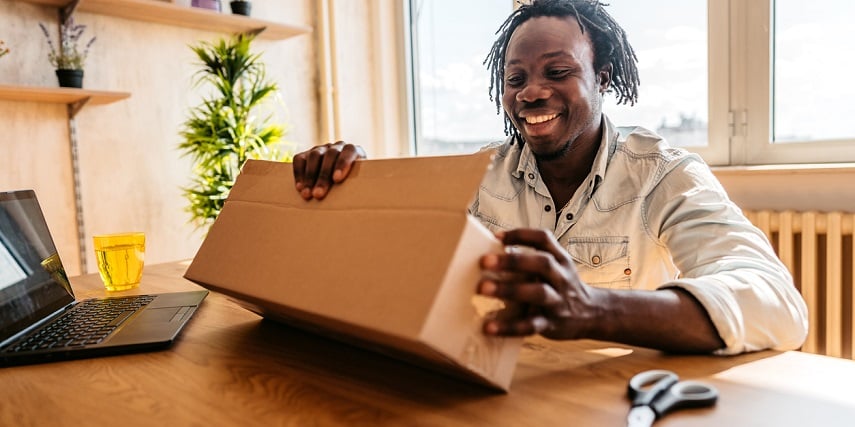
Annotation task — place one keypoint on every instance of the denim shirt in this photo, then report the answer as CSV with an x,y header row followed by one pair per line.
x,y
649,216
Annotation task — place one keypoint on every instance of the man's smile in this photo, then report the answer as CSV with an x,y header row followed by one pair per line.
x,y
539,124
540,118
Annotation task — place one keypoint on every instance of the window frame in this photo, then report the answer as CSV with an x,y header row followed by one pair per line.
x,y
739,92
719,121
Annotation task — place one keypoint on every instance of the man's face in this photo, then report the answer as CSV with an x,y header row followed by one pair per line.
x,y
551,91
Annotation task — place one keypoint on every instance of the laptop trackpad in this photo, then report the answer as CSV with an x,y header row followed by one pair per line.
x,y
159,315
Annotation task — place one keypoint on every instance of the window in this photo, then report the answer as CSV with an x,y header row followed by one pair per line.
x,y
673,95
740,82
806,38
451,38
683,68
790,114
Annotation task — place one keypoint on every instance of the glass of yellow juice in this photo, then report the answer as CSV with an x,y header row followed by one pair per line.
x,y
120,259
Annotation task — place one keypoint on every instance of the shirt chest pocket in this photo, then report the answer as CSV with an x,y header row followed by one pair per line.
x,y
498,208
602,261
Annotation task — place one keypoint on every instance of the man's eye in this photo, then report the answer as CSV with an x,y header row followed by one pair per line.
x,y
558,73
513,80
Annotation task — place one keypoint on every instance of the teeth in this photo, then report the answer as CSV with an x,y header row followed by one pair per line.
x,y
540,119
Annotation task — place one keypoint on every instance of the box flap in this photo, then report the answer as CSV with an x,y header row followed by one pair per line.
x,y
424,183
363,267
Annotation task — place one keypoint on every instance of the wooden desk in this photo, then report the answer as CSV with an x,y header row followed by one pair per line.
x,y
229,367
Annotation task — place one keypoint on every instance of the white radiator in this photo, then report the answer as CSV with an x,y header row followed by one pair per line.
x,y
817,249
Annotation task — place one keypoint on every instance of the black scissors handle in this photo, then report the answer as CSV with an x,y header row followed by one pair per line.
x,y
662,391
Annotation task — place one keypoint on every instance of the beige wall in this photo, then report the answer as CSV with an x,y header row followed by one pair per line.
x,y
367,93
130,169
131,172
810,187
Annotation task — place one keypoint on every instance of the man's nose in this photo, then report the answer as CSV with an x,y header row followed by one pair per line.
x,y
533,91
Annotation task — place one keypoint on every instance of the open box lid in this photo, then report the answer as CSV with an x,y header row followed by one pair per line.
x,y
427,183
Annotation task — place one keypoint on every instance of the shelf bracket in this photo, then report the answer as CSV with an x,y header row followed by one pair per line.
x,y
76,106
66,11
255,31
78,200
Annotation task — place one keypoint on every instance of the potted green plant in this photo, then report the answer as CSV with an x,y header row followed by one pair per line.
x,y
223,132
69,58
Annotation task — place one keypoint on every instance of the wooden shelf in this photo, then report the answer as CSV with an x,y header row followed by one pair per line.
x,y
180,16
74,98
59,95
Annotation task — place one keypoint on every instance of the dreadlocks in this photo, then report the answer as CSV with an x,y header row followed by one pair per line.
x,y
608,38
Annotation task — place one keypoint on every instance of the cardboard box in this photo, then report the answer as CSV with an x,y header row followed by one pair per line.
x,y
388,260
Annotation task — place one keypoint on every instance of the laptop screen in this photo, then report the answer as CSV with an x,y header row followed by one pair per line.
x,y
33,282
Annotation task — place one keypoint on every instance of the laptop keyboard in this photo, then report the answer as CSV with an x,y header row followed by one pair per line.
x,y
88,322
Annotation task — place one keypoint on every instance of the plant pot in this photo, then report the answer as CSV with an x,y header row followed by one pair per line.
x,y
70,78
241,7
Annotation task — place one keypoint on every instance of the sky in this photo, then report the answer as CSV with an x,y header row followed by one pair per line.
x,y
813,47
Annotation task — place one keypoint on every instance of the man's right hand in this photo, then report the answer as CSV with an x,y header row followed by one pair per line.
x,y
317,169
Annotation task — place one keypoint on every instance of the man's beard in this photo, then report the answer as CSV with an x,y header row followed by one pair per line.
x,y
554,155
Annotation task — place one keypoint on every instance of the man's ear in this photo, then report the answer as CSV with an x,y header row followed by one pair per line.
x,y
605,77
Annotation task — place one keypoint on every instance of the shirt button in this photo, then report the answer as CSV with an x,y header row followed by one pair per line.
x,y
596,260
530,176
569,217
547,208
627,272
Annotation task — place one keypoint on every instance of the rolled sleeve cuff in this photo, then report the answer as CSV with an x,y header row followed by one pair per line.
x,y
748,320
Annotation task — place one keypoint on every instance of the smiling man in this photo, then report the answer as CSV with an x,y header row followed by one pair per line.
x,y
615,235
553,97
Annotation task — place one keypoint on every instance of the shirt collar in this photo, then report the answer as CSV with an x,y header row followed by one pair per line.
x,y
608,145
526,161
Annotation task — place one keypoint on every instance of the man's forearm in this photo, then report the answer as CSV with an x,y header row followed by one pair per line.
x,y
667,319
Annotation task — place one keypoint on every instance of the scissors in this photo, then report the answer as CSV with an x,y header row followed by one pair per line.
x,y
656,392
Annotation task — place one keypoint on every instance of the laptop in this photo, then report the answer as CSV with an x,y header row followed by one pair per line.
x,y
40,319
